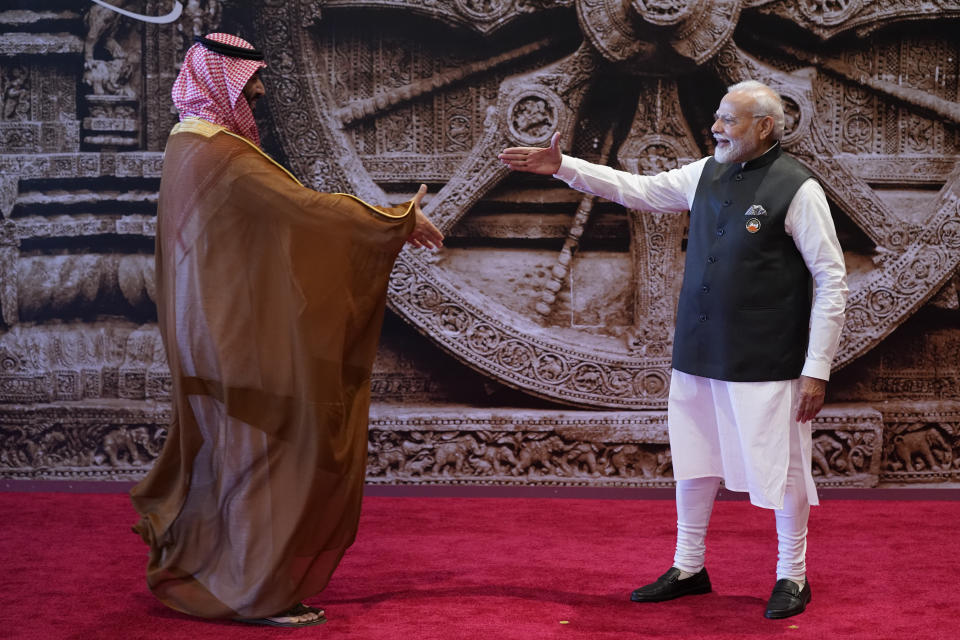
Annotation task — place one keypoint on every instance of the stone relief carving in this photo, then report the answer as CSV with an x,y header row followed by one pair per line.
x,y
15,87
81,443
109,60
910,260
520,455
483,16
562,297
924,448
921,444
827,18
617,449
111,75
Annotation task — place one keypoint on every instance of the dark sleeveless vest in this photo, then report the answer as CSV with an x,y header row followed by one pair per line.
x,y
744,309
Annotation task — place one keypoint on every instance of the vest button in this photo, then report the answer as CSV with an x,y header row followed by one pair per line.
x,y
705,288
726,203
719,231
738,177
712,259
702,317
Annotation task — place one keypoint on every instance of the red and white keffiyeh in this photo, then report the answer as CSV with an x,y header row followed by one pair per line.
x,y
210,86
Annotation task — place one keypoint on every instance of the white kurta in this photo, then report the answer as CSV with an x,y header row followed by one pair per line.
x,y
740,430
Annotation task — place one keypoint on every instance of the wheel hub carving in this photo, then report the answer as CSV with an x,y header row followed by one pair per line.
x,y
667,31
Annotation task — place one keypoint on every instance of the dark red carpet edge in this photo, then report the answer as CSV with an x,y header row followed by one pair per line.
x,y
500,568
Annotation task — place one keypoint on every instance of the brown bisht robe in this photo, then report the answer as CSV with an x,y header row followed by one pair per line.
x,y
270,301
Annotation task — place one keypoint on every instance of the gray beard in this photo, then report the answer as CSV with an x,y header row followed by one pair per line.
x,y
726,154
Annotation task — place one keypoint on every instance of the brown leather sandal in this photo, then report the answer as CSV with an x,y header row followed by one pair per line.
x,y
298,609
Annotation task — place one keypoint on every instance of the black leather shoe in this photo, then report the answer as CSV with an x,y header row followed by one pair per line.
x,y
787,599
669,586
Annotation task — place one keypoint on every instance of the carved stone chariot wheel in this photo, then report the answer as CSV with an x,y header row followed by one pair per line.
x,y
571,298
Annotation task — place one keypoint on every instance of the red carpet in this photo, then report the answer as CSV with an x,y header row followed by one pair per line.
x,y
465,568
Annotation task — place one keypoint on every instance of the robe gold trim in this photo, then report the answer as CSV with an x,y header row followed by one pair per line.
x,y
270,299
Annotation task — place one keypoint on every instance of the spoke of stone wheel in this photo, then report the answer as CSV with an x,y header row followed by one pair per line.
x,y
566,79
912,97
357,110
561,270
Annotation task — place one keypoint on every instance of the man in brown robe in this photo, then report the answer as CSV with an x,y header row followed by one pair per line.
x,y
270,299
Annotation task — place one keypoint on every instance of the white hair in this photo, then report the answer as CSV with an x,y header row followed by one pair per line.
x,y
767,100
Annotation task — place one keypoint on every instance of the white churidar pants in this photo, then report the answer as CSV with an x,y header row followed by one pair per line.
x,y
744,433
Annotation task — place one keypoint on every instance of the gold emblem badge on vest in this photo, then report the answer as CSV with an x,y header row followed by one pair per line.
x,y
755,210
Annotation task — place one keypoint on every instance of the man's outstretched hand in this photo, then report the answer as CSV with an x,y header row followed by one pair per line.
x,y
424,233
534,159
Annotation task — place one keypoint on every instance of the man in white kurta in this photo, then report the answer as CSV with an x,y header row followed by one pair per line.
x,y
727,420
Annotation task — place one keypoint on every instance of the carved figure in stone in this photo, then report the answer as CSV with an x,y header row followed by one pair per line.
x,y
14,92
54,448
496,455
542,455
419,465
922,449
109,77
110,58
582,458
632,460
826,454
385,457
861,447
480,466
454,453
103,26
17,448
649,338
417,450
134,445
533,117
417,444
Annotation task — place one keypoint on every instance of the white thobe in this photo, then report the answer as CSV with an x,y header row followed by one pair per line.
x,y
740,431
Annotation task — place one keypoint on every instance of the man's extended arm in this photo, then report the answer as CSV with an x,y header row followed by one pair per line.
x,y
667,191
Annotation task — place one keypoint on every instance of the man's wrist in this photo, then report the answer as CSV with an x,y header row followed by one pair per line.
x,y
816,369
565,172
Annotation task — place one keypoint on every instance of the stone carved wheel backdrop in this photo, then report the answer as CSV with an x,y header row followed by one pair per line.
x,y
567,297
564,297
